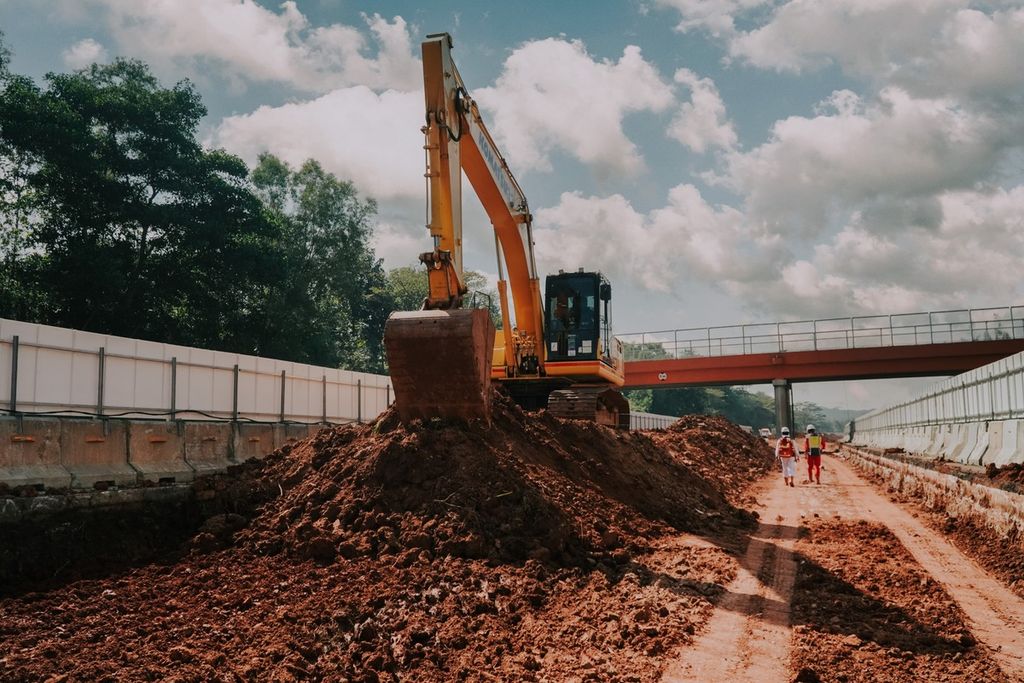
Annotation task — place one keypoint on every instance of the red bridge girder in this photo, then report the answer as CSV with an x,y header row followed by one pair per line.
x,y
820,366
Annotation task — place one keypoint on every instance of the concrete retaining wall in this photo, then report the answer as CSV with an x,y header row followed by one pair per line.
x,y
1000,510
30,453
157,451
60,453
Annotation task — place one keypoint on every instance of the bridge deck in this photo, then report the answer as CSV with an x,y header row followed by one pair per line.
x,y
918,360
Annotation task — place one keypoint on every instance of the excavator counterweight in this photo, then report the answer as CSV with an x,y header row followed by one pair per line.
x,y
440,363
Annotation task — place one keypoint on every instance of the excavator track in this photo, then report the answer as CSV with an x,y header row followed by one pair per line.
x,y
602,405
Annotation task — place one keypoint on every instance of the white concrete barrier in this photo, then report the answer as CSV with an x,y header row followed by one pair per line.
x,y
973,418
980,445
1012,442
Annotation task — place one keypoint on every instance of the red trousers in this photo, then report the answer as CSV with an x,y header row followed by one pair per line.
x,y
814,467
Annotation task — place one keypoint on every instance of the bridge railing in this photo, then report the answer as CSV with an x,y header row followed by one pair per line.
x,y
904,329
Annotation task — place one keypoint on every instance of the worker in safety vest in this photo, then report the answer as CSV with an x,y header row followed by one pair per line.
x,y
814,446
787,453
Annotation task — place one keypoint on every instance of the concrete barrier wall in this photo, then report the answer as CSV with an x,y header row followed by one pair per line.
x,y
157,451
30,453
1000,510
975,418
643,421
96,451
62,453
64,371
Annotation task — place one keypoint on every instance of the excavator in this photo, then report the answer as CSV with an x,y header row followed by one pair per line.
x,y
443,358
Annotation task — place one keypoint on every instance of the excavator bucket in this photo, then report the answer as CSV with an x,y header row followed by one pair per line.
x,y
440,363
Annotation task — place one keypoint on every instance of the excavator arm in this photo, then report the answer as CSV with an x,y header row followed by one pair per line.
x,y
442,358
457,140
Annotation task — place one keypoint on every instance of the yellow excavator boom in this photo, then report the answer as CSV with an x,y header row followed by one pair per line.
x,y
442,359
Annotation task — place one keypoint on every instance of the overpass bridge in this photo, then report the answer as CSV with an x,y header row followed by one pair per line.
x,y
936,343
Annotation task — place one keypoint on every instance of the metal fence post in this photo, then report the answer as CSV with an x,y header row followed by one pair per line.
x,y
359,400
282,395
174,387
992,397
102,373
234,394
387,394
324,415
14,374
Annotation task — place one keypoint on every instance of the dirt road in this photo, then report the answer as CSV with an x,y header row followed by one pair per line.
x,y
931,591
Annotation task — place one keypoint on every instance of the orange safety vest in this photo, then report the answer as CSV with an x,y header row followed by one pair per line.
x,y
785,448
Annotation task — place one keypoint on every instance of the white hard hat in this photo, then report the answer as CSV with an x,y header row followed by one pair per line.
x,y
810,428
785,430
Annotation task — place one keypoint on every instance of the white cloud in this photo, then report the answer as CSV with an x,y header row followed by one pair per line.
x,y
553,95
688,239
969,259
717,17
928,47
895,148
978,55
702,122
250,43
865,38
371,139
84,53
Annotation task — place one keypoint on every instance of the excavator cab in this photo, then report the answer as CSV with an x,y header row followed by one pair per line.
x,y
578,337
578,317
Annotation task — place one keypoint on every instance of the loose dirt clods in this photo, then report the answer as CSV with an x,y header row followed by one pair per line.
x,y
533,550
863,610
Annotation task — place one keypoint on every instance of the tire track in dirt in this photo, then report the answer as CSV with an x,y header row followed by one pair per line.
x,y
748,635
995,614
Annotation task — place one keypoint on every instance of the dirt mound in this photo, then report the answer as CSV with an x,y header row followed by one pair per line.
x,y
723,455
532,549
528,487
1009,477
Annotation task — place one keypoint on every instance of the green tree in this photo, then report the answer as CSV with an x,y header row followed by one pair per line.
x,y
329,302
407,288
805,413
643,351
117,218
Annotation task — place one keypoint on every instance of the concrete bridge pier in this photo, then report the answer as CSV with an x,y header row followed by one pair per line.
x,y
783,405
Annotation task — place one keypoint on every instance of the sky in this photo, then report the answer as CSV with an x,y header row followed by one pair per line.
x,y
721,161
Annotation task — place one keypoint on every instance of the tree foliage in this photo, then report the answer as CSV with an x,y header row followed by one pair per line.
x,y
328,302
407,288
115,218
